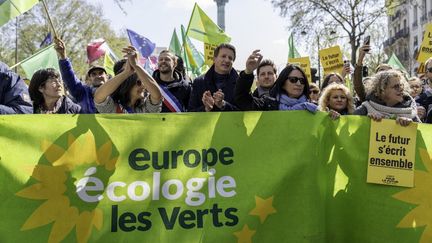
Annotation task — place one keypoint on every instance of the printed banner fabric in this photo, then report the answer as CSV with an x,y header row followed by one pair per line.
x,y
203,177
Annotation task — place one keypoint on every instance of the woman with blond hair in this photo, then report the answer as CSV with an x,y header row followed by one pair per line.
x,y
388,98
337,100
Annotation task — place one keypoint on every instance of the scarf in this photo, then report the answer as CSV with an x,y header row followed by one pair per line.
x,y
263,91
287,103
391,112
56,108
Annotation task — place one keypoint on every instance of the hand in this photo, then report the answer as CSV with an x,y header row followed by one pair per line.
x,y
218,98
253,61
208,101
421,112
346,70
334,114
375,117
403,121
132,55
60,48
128,68
362,52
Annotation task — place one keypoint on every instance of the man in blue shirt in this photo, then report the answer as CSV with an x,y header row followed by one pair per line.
x,y
82,93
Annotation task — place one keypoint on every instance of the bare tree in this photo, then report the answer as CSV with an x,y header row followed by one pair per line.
x,y
351,19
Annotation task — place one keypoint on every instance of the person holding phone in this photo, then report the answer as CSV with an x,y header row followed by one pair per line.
x,y
358,70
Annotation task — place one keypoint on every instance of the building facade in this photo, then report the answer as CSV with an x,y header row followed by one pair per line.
x,y
406,29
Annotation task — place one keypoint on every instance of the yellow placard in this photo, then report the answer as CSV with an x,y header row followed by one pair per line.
x,y
425,50
209,53
391,153
331,60
421,68
304,63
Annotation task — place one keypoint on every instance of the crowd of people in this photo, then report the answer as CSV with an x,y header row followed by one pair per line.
x,y
388,94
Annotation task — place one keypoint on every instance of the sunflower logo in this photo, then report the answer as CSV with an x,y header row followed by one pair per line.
x,y
419,195
54,183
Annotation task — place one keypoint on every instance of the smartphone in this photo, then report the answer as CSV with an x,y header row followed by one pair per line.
x,y
366,41
346,63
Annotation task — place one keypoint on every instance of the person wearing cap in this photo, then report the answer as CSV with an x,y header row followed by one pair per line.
x,y
82,93
14,96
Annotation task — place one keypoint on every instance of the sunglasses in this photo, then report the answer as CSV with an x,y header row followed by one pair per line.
x,y
314,92
294,80
429,70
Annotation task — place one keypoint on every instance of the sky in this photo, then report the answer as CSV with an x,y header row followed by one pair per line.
x,y
252,24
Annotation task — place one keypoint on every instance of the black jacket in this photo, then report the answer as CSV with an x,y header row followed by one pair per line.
x,y
245,101
207,82
180,88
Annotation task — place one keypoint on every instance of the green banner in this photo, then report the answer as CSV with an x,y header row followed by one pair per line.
x,y
203,177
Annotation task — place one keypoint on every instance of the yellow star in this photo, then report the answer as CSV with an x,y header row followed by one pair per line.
x,y
264,207
244,235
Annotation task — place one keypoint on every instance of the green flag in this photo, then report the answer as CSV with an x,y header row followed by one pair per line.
x,y
175,45
9,9
44,58
195,60
108,64
202,28
395,63
292,51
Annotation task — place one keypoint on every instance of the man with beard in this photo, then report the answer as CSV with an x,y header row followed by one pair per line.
x,y
82,93
214,91
175,89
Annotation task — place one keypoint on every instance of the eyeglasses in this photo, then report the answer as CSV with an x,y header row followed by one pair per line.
x,y
296,79
314,91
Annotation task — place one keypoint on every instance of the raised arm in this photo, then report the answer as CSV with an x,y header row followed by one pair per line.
x,y
242,95
149,83
111,85
75,86
358,73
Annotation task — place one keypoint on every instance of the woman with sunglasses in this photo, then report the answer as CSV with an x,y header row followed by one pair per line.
x,y
337,100
47,93
290,91
314,93
388,98
124,93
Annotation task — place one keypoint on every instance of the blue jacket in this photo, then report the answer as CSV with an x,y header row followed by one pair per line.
x,y
14,96
83,94
207,82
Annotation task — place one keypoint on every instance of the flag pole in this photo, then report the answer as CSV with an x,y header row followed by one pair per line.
x,y
49,18
184,47
16,43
